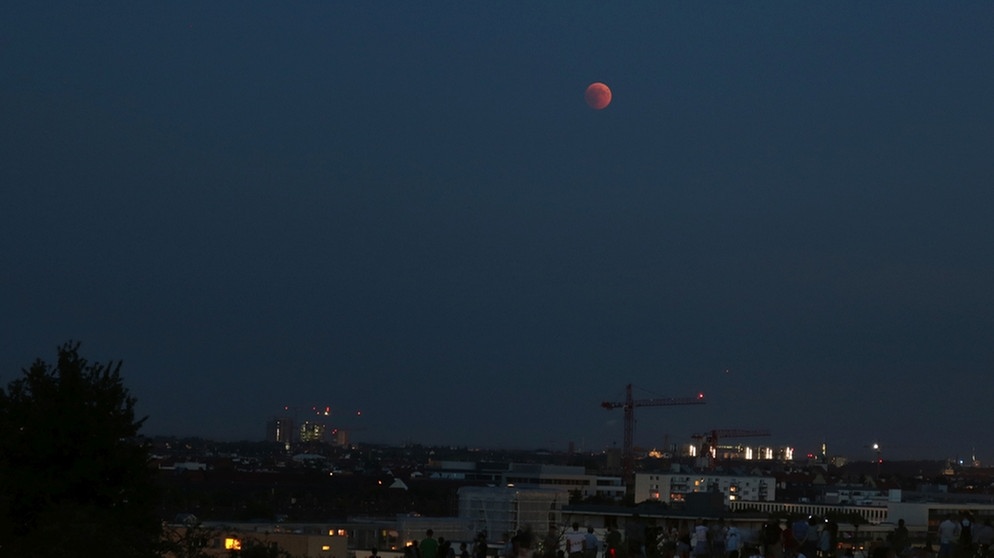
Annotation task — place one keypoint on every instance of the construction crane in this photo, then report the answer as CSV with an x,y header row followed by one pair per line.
x,y
629,404
708,441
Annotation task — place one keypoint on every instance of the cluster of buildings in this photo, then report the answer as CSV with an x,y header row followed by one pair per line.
x,y
746,485
500,499
287,431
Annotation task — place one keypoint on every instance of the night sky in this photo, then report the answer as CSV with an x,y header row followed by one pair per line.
x,y
407,209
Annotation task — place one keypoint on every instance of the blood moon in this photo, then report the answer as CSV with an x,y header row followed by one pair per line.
x,y
598,95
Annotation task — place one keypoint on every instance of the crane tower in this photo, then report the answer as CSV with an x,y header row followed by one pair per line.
x,y
629,404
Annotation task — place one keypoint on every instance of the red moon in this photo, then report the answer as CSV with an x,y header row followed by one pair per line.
x,y
598,95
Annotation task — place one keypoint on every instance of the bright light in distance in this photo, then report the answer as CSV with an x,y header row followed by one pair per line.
x,y
700,396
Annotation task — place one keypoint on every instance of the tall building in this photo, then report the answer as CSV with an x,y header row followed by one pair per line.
x,y
311,432
280,429
340,437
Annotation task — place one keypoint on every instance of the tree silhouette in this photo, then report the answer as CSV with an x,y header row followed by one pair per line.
x,y
74,480
190,540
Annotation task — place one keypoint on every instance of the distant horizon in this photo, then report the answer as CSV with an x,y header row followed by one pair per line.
x,y
478,447
354,421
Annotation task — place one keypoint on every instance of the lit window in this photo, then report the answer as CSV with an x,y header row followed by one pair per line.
x,y
231,543
325,548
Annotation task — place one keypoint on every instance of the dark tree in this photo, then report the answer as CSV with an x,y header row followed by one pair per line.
x,y
74,479
189,541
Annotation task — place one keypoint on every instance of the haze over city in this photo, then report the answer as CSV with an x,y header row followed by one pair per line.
x,y
410,210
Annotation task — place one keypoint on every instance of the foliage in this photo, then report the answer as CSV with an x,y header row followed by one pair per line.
x,y
73,479
189,541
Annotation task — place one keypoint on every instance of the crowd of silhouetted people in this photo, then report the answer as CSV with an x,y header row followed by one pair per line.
x,y
957,536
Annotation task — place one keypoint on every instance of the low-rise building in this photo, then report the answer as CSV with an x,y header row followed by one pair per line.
x,y
565,478
303,540
674,487
499,510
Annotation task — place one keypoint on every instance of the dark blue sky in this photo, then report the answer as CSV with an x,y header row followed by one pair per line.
x,y
407,208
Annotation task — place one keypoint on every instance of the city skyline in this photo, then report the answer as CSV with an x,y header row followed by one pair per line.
x,y
411,210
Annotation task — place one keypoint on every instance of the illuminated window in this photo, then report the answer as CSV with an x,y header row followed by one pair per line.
x,y
231,543
325,548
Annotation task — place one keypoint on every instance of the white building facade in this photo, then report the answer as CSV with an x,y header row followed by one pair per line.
x,y
568,479
673,487
498,510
